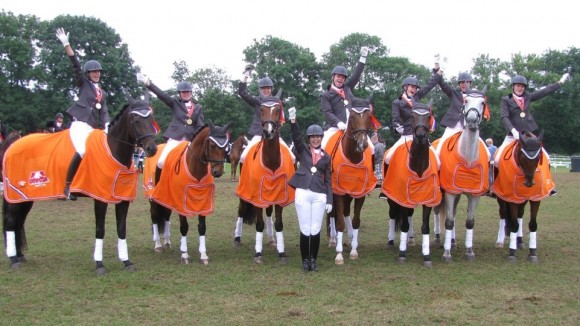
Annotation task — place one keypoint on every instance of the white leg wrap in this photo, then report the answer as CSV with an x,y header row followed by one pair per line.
x,y
183,244
10,244
202,249
468,238
98,255
501,231
333,227
447,243
155,233
513,240
425,245
348,224
391,229
238,231
259,239
436,224
403,241
411,232
167,231
533,240
269,227
122,248
520,228
339,241
354,242
280,242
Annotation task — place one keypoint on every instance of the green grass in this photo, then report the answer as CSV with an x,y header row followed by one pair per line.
x,y
58,285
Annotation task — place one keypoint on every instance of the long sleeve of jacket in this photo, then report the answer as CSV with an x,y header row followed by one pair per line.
x,y
164,97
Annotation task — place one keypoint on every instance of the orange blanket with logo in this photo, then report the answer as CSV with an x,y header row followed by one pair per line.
x,y
509,183
35,168
179,190
405,187
456,175
356,179
149,166
263,187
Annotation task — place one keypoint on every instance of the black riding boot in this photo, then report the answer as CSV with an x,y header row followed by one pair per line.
x,y
314,245
157,174
72,171
304,252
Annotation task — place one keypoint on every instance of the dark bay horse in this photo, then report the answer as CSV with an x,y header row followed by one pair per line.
x,y
464,170
412,179
235,153
187,185
522,177
264,180
352,176
134,125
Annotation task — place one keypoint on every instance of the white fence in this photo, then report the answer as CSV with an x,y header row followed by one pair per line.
x,y
560,161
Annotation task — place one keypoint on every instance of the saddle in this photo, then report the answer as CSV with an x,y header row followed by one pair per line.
x,y
35,168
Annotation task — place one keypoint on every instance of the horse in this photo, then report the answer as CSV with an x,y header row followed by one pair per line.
x,y
108,154
263,182
352,176
522,176
464,170
234,157
186,185
413,180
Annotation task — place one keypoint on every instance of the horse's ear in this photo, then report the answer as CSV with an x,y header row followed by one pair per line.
x,y
370,98
484,89
210,124
430,104
541,136
279,94
127,96
227,126
147,97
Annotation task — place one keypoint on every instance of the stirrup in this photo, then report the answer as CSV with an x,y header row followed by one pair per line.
x,y
68,195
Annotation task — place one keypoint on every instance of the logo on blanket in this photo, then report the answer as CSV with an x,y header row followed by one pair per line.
x,y
38,178
150,184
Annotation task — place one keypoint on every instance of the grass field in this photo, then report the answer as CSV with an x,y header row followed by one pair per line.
x,y
58,285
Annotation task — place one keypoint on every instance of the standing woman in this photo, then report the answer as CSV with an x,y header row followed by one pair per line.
x,y
89,112
313,189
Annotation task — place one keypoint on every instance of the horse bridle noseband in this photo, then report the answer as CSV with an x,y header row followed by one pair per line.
x,y
212,162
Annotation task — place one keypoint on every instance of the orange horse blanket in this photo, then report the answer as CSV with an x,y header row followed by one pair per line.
x,y
509,183
149,167
354,179
404,185
263,187
456,175
35,168
179,190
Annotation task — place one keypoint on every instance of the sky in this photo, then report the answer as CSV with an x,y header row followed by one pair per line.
x,y
214,33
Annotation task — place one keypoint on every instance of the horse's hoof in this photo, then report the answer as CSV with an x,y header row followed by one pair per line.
x,y
258,258
401,259
447,257
499,245
353,254
158,250
533,259
131,268
184,261
237,242
470,256
204,261
391,244
272,243
521,245
101,271
167,245
437,240
332,243
411,242
427,263
15,266
22,259
338,260
512,259
282,259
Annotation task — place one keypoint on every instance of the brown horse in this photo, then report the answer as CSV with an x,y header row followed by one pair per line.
x,y
186,185
235,153
264,180
412,180
352,176
134,125
521,178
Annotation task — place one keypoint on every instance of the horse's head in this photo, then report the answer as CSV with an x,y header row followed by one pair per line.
x,y
421,122
143,126
529,152
473,108
215,148
359,123
271,111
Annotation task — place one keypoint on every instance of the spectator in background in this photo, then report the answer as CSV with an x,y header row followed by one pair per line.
x,y
491,148
378,157
59,124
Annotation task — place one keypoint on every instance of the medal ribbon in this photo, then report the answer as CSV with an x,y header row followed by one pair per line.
x,y
340,91
99,94
190,109
315,156
519,101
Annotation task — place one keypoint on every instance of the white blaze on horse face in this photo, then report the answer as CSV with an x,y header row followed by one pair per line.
x,y
474,110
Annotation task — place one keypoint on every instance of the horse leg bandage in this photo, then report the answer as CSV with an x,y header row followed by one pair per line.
x,y
403,242
238,231
259,239
533,240
280,242
348,224
501,231
437,224
183,244
98,255
469,238
338,241
332,227
391,235
520,228
202,249
425,245
354,243
447,243
156,234
411,232
167,231
122,249
270,227
513,240
10,244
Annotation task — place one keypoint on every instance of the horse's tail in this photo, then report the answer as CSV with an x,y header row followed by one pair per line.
x,y
247,211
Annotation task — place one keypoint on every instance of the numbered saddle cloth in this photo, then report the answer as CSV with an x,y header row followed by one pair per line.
x,y
509,183
405,187
263,187
355,179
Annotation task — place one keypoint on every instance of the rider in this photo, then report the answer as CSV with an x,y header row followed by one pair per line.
x,y
337,98
88,112
187,117
59,125
313,189
516,115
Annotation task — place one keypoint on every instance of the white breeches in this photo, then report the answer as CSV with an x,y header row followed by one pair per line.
x,y
79,132
255,140
331,131
393,148
449,131
310,208
171,144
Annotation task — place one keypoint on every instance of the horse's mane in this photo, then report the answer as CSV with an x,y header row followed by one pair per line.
x,y
118,116
199,130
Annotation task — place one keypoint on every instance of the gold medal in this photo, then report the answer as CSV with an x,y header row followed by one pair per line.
x,y
345,102
523,115
98,105
313,169
189,121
